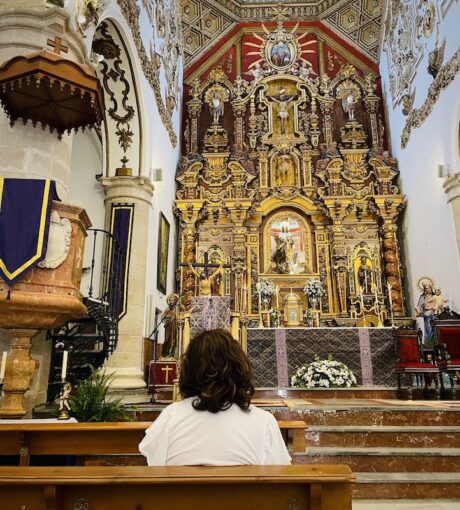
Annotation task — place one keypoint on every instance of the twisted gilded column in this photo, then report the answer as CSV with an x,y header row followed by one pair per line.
x,y
392,266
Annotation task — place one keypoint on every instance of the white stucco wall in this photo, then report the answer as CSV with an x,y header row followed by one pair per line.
x,y
428,230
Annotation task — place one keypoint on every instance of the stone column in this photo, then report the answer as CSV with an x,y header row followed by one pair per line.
x,y
20,369
126,362
452,189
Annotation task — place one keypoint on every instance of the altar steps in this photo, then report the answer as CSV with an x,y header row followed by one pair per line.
x,y
397,449
383,460
386,436
426,486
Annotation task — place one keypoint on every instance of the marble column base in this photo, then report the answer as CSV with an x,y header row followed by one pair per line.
x,y
125,378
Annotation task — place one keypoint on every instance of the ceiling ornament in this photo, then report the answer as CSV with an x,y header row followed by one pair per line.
x,y
168,29
203,22
444,78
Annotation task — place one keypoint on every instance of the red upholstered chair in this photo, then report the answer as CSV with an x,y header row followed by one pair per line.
x,y
410,363
447,345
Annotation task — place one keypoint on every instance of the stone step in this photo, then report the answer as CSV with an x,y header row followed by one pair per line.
x,y
371,416
384,460
399,437
407,486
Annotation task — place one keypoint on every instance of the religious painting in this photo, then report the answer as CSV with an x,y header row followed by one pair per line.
x,y
289,245
280,53
163,247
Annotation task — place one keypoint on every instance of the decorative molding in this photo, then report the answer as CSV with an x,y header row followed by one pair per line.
x,y
444,78
59,238
151,65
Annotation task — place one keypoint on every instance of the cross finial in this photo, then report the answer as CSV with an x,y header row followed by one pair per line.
x,y
57,45
281,13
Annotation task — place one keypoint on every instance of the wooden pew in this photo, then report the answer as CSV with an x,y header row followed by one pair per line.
x,y
298,434
301,487
86,439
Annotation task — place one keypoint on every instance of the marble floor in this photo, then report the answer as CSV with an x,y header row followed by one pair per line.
x,y
401,504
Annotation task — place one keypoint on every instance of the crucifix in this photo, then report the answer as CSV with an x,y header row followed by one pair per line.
x,y
57,45
167,370
204,277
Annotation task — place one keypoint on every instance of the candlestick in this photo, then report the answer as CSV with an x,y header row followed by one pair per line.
x,y
277,298
390,298
362,301
64,365
3,367
261,324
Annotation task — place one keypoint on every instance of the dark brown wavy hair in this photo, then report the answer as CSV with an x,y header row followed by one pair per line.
x,y
216,371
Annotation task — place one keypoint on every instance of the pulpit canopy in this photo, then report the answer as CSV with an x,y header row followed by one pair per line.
x,y
45,87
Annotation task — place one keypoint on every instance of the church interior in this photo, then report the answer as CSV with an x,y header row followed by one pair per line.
x,y
286,171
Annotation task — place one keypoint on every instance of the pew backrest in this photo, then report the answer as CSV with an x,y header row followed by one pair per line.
x,y
299,487
88,439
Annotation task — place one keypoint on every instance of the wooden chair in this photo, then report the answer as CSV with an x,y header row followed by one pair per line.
x,y
410,361
447,346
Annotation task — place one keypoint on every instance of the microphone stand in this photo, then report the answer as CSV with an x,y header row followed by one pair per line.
x,y
153,337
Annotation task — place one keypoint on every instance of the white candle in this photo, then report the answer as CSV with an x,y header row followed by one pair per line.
x,y
3,367
65,359
277,298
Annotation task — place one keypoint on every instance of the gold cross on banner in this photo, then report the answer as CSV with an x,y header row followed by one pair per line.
x,y
167,370
57,45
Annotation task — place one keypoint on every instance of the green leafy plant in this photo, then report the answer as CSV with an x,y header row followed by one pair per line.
x,y
89,400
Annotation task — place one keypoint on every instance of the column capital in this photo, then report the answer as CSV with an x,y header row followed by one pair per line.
x,y
452,187
127,188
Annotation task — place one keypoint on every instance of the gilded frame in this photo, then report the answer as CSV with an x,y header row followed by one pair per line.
x,y
163,252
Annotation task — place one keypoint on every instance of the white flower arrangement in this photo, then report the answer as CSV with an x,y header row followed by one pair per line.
x,y
313,290
323,374
266,288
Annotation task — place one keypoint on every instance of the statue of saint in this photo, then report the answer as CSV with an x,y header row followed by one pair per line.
x,y
285,170
283,254
217,108
169,317
365,275
348,105
426,308
205,281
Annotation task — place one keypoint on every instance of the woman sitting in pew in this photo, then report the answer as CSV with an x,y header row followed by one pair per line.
x,y
215,424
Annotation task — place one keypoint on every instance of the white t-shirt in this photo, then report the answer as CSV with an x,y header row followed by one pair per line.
x,y
183,436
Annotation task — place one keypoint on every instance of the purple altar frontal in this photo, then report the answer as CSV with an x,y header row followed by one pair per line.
x,y
209,312
276,353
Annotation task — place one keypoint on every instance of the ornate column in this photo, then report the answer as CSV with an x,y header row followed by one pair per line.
x,y
126,362
194,108
452,189
392,266
20,369
372,103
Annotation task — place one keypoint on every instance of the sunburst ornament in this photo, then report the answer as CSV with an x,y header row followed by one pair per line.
x,y
281,49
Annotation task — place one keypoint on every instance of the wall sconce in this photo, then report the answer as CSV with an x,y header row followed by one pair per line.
x,y
88,13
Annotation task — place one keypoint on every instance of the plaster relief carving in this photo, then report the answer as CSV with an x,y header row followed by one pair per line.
x,y
58,242
444,77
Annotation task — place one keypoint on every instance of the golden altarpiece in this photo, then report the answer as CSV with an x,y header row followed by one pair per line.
x,y
284,178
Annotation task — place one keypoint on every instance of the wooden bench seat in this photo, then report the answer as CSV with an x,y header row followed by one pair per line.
x,y
88,439
300,487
